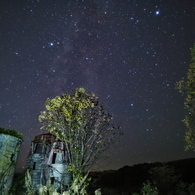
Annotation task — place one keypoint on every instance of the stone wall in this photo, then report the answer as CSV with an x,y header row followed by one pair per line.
x,y
9,150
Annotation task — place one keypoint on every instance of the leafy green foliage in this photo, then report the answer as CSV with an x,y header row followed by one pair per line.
x,y
185,188
186,86
11,132
79,184
28,183
149,189
98,191
49,189
164,178
82,123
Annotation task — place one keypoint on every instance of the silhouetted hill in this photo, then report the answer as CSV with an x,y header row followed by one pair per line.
x,y
129,179
186,168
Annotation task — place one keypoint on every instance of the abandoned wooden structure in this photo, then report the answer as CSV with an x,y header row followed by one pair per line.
x,y
48,162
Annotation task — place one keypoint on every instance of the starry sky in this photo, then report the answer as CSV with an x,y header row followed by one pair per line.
x,y
128,52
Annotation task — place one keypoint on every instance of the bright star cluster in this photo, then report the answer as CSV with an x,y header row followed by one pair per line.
x,y
130,53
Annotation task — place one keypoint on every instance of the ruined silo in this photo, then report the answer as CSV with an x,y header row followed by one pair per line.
x,y
9,150
48,162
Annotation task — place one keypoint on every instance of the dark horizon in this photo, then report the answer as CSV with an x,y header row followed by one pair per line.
x,y
129,166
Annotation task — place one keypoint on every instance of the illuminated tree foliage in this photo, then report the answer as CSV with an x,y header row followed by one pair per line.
x,y
82,123
187,87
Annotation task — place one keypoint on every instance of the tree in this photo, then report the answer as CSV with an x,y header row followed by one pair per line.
x,y
186,86
164,178
148,188
82,123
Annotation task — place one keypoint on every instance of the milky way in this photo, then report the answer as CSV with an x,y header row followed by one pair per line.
x,y
130,53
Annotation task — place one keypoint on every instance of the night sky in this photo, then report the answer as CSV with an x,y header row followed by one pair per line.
x,y
130,53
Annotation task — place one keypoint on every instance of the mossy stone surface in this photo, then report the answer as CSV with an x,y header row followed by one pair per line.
x,y
9,149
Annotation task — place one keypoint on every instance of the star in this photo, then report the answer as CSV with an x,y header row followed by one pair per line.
x,y
157,12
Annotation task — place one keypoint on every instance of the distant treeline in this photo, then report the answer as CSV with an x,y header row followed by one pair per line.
x,y
130,179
